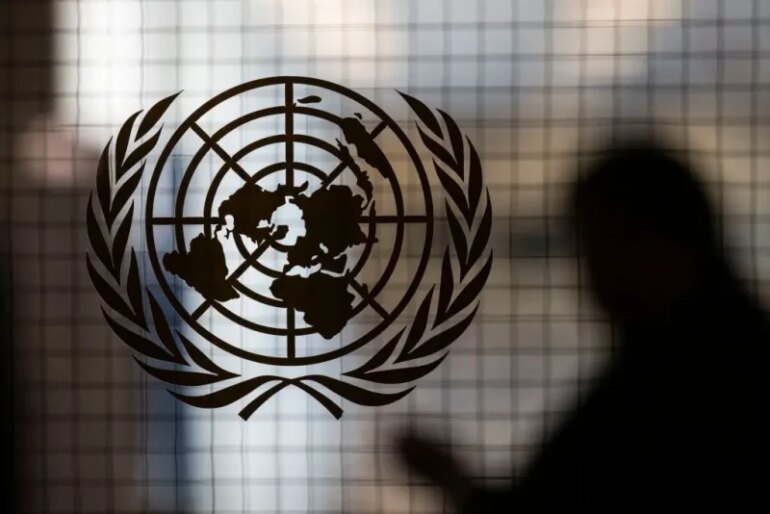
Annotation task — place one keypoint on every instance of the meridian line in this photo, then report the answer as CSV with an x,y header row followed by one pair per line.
x,y
289,145
256,254
378,129
197,313
221,152
342,165
363,292
334,174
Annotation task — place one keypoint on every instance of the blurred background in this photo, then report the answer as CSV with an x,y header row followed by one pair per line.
x,y
538,85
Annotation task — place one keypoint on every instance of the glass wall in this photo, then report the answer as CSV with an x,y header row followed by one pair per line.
x,y
538,86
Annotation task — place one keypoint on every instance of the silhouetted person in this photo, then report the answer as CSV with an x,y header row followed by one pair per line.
x,y
680,421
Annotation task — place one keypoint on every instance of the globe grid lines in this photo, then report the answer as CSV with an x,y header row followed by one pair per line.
x,y
266,171
288,83
232,163
367,295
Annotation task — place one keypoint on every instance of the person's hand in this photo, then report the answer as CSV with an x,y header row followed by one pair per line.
x,y
429,458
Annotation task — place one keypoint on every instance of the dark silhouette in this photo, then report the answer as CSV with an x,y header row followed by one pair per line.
x,y
680,421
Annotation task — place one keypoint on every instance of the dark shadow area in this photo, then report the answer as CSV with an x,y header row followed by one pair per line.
x,y
679,422
78,427
25,93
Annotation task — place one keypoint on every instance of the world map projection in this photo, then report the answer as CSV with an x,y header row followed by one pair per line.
x,y
327,224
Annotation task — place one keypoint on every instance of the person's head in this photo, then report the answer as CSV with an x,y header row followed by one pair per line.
x,y
645,231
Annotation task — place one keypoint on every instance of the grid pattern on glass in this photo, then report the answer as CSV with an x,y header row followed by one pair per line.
x,y
536,84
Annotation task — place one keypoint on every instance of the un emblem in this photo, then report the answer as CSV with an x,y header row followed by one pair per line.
x,y
288,222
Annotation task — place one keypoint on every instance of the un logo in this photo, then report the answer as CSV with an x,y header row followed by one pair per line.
x,y
288,222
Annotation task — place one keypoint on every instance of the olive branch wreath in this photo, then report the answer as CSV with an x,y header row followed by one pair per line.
x,y
114,270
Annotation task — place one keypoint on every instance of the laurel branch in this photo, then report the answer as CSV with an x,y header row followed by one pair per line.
x,y
114,271
112,263
469,215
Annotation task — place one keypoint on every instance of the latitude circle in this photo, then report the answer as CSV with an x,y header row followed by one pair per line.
x,y
371,293
289,82
239,239
239,286
309,140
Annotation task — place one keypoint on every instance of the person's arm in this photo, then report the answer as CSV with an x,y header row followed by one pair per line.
x,y
429,459
488,500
